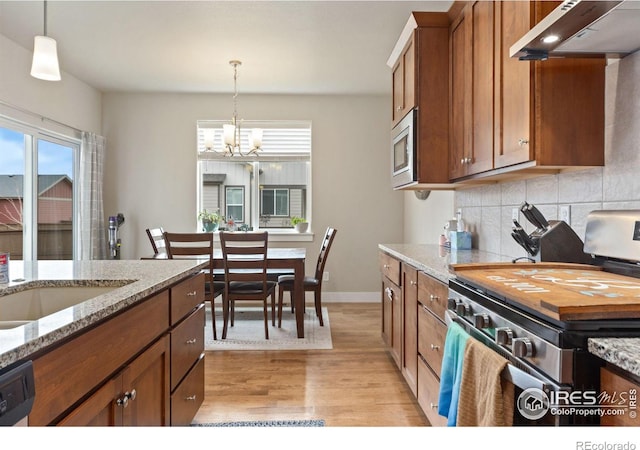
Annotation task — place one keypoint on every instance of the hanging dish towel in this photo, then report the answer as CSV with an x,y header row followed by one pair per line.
x,y
451,372
485,398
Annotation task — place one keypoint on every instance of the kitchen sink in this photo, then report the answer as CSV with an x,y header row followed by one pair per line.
x,y
32,304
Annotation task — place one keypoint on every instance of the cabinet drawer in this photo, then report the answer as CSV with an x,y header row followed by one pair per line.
x,y
431,336
428,393
188,397
390,267
185,296
187,344
611,383
432,294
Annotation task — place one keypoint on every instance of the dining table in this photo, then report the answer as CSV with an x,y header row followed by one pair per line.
x,y
277,258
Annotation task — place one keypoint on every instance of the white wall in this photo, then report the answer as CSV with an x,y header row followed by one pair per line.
x,y
614,186
424,219
69,101
150,172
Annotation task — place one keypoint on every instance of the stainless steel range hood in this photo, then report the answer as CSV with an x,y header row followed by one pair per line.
x,y
584,29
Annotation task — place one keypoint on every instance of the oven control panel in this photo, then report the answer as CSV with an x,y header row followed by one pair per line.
x,y
520,343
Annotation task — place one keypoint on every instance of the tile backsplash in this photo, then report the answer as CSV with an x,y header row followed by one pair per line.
x,y
487,210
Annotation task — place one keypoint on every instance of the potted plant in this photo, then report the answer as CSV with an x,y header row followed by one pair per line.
x,y
300,224
210,220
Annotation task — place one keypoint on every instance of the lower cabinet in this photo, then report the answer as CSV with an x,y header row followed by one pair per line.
x,y
143,366
413,329
623,390
137,396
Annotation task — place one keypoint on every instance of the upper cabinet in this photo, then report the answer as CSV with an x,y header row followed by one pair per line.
x,y
511,117
420,68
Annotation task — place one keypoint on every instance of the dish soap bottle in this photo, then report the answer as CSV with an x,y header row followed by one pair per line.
x,y
459,221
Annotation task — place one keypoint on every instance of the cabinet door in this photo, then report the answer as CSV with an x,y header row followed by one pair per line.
x,y
481,151
391,318
513,86
460,47
410,326
146,383
99,410
404,83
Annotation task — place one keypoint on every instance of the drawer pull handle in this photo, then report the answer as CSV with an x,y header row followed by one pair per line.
x,y
413,283
433,298
435,347
128,396
192,341
192,294
389,293
433,405
191,398
386,266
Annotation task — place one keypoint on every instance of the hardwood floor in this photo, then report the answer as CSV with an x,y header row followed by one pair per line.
x,y
355,384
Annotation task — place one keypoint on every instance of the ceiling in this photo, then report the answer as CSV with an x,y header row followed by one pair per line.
x,y
286,47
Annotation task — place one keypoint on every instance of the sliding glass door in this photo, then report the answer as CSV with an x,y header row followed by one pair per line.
x,y
37,173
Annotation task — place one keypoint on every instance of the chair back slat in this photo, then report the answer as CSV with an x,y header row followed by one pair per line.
x,y
325,246
244,256
184,245
156,237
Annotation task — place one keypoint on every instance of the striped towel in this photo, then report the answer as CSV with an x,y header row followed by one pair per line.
x,y
485,398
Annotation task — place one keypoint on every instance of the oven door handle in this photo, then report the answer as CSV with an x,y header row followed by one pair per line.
x,y
515,375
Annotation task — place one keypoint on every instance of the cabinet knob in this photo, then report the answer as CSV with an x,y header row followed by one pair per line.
x,y
128,396
413,283
399,108
522,142
435,347
433,298
385,266
190,398
389,293
192,341
192,294
433,405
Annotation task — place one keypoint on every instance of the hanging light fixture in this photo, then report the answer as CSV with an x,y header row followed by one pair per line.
x,y
45,55
231,133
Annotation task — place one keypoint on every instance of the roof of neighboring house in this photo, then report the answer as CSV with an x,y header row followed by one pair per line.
x,y
12,186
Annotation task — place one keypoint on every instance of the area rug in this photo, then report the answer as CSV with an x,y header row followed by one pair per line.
x,y
265,423
248,332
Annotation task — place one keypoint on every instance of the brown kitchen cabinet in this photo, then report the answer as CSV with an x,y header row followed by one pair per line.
x,y
137,396
420,81
512,118
471,71
413,328
142,347
626,388
410,326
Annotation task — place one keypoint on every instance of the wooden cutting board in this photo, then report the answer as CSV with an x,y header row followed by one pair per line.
x,y
557,290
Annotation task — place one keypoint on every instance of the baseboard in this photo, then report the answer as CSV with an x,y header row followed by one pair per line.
x,y
351,297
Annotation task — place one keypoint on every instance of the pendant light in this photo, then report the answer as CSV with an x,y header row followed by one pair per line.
x,y
45,55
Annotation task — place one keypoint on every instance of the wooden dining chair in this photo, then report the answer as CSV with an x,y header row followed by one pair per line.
x,y
190,245
311,284
156,237
245,273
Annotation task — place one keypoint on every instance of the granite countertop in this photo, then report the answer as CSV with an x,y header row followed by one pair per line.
x,y
621,352
435,261
133,280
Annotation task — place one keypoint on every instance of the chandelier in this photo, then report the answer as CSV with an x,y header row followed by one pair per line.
x,y
231,133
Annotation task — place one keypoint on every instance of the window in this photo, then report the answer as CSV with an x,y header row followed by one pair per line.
x,y
37,193
274,202
235,203
262,191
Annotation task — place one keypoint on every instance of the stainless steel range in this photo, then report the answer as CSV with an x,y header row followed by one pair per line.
x,y
539,315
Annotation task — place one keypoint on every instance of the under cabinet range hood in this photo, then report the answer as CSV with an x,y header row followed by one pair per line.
x,y
583,29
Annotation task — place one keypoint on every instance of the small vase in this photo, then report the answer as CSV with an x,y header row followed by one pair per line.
x,y
302,227
210,227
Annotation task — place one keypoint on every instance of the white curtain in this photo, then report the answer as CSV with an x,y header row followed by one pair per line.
x,y
92,241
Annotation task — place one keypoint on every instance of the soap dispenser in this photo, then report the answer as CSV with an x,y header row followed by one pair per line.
x,y
459,221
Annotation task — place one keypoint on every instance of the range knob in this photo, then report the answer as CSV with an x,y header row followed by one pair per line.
x,y
504,336
462,309
481,320
452,303
522,347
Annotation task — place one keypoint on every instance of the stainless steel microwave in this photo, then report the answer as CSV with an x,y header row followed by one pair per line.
x,y
403,151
